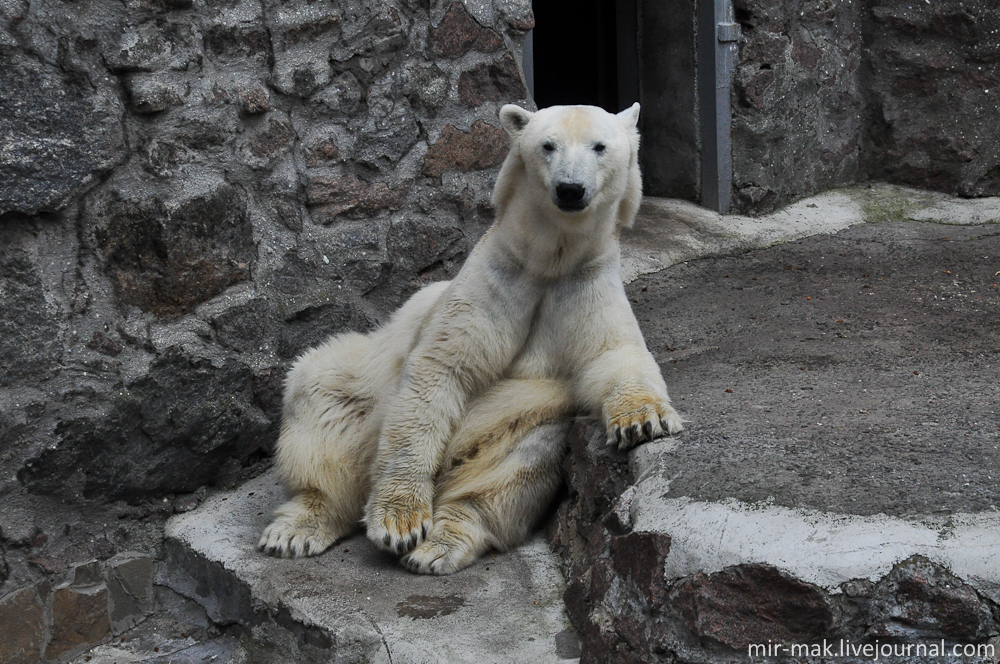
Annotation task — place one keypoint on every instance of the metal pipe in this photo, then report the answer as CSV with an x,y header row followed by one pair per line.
x,y
717,36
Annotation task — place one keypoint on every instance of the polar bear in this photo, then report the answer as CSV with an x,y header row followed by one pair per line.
x,y
443,431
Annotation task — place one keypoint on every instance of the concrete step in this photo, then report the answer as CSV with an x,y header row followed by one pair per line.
x,y
354,603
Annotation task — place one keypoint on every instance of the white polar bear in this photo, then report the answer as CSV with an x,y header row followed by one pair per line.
x,y
444,430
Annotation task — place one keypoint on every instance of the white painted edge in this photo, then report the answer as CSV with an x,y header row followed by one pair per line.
x,y
822,548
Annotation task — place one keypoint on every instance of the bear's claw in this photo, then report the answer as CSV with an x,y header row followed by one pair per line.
x,y
284,540
437,558
645,423
398,530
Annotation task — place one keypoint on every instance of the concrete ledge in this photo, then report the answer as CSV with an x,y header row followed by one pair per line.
x,y
354,604
836,482
670,231
821,548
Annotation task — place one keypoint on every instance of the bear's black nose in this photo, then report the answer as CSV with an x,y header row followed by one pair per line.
x,y
570,192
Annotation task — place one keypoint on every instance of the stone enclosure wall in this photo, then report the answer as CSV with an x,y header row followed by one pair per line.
x,y
192,192
833,92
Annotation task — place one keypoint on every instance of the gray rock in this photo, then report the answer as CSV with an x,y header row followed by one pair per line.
x,y
30,329
154,46
61,134
383,140
23,615
130,589
168,432
87,574
154,93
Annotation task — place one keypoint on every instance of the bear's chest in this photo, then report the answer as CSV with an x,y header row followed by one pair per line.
x,y
557,339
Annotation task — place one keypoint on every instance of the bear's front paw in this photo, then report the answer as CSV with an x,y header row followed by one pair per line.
x,y
641,423
398,524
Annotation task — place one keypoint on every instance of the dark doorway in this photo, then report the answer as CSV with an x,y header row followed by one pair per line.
x,y
575,53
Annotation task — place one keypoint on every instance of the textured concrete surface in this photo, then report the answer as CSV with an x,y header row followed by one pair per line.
x,y
358,602
837,366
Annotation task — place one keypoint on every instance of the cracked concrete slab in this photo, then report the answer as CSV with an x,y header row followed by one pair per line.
x,y
356,602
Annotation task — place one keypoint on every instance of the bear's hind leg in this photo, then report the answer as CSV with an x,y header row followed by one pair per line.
x,y
503,469
328,439
330,427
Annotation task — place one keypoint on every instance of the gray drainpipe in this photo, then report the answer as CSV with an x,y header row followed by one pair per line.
x,y
717,36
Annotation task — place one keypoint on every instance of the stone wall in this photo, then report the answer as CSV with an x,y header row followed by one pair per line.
x,y
94,602
831,92
935,104
799,102
192,192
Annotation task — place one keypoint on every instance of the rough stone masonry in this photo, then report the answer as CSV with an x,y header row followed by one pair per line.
x,y
833,92
192,192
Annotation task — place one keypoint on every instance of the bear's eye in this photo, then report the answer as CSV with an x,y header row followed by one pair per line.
x,y
599,147
548,147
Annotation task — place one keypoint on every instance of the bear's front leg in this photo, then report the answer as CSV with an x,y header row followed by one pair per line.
x,y
465,344
626,383
456,358
399,513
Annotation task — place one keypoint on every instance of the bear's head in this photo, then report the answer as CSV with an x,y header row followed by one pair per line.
x,y
575,161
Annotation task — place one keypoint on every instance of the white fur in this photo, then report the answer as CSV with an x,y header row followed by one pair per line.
x,y
463,397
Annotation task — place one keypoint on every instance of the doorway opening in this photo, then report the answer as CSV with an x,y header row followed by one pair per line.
x,y
576,50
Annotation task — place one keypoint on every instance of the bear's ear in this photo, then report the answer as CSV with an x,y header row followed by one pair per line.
x,y
514,119
630,116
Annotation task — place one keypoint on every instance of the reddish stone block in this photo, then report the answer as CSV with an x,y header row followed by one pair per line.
x,y
272,141
323,151
79,619
22,627
755,90
752,603
640,557
482,147
166,257
805,54
254,100
458,33
498,81
330,197
763,46
928,598
525,23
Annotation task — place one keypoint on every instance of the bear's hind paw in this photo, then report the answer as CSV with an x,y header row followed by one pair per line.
x,y
438,558
286,540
